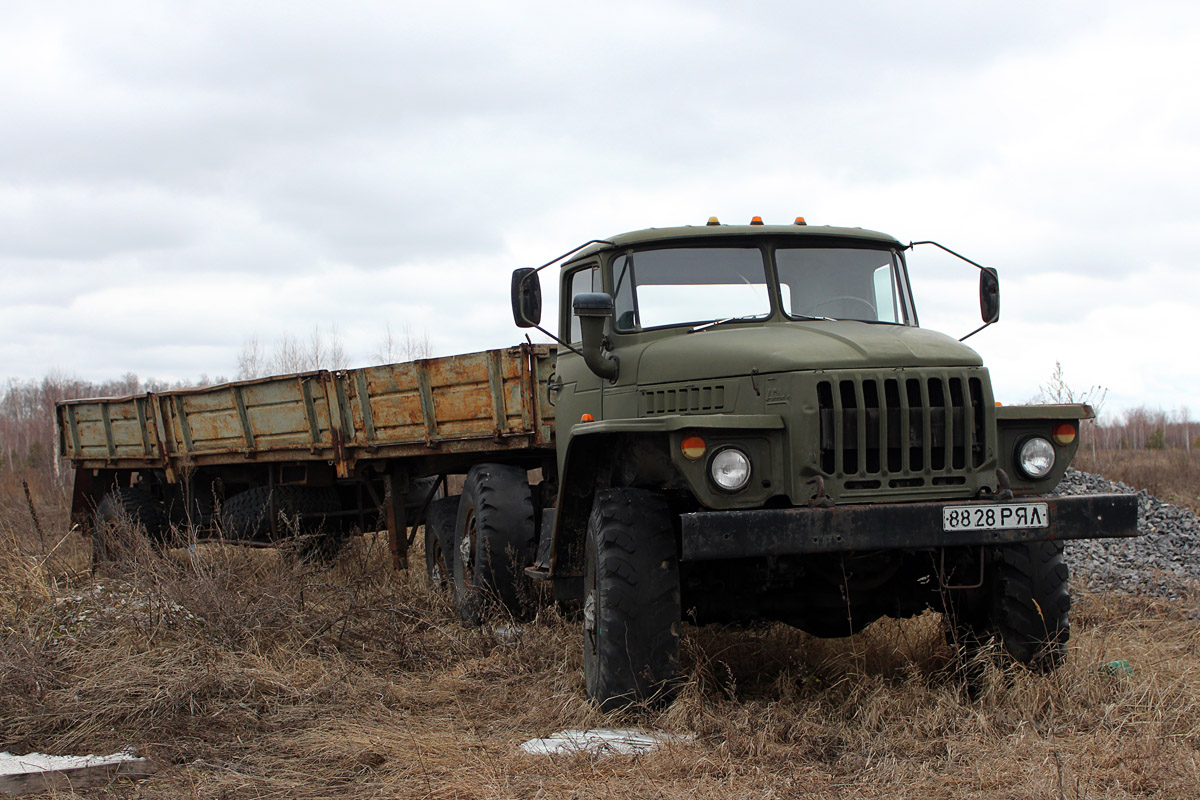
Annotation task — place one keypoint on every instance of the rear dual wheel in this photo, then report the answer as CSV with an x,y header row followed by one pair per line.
x,y
439,542
494,541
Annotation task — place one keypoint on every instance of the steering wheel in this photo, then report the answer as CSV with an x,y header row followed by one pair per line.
x,y
851,298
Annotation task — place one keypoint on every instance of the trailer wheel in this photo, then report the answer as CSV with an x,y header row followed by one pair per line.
x,y
439,542
494,541
300,515
631,610
120,514
1024,605
196,510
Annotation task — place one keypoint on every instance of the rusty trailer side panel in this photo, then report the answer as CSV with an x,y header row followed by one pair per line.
x,y
477,402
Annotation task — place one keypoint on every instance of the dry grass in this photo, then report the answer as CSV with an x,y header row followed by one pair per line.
x,y
243,675
1172,475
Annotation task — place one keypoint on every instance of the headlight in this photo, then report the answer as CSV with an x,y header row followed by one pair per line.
x,y
730,470
1036,457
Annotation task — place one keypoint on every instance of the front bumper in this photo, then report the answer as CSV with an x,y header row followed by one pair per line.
x,y
709,535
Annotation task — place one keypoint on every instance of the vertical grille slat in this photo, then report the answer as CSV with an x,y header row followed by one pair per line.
x,y
926,425
839,434
978,442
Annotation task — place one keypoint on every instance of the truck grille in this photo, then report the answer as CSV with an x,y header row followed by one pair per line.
x,y
923,429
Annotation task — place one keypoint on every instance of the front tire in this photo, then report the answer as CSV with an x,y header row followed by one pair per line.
x,y
494,541
631,600
1024,605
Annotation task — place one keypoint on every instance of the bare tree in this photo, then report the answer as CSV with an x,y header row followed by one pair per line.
x,y
406,346
251,362
290,354
1057,390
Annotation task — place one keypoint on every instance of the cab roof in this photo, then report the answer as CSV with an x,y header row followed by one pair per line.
x,y
702,232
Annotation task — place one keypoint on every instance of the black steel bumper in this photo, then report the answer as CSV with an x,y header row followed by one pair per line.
x,y
896,526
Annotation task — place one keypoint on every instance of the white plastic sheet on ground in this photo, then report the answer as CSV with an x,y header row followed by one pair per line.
x,y
40,762
601,741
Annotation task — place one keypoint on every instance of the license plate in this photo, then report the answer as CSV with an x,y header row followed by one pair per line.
x,y
995,517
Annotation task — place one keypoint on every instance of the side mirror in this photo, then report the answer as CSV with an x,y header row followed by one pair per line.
x,y
593,308
989,295
526,297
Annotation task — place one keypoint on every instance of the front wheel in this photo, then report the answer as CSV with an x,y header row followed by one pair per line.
x,y
631,610
1024,605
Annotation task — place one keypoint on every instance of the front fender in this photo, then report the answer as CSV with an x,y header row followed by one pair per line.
x,y
1015,424
626,452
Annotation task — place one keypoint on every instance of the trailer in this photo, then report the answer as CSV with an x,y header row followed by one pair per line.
x,y
348,449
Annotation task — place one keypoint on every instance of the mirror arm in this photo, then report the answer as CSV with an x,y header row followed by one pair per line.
x,y
575,250
911,245
574,350
977,330
552,262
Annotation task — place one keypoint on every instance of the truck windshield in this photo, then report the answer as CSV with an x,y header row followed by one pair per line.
x,y
689,285
841,283
697,285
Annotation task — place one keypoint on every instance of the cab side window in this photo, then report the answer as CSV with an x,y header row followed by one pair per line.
x,y
581,282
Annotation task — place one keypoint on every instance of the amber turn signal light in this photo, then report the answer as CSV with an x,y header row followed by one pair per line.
x,y
693,448
1064,433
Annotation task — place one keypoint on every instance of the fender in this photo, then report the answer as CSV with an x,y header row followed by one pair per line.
x,y
588,467
1015,424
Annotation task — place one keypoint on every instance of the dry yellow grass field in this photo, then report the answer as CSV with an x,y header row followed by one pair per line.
x,y
1172,475
244,675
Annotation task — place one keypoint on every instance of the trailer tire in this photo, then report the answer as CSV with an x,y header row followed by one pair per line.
x,y
632,612
184,511
1024,606
439,543
299,516
494,539
121,512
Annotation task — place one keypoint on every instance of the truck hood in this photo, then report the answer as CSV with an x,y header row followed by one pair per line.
x,y
730,351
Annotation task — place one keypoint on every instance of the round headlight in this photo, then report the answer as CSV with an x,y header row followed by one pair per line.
x,y
730,469
1036,457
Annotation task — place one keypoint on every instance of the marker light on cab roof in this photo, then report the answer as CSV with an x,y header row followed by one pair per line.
x,y
714,221
756,220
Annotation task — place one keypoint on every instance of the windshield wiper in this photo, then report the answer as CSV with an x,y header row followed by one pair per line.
x,y
705,326
810,317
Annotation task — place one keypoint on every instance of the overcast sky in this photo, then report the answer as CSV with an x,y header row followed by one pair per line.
x,y
177,178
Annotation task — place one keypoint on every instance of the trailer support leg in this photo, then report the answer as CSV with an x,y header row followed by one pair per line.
x,y
397,524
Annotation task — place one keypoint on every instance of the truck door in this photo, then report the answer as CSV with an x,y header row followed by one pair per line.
x,y
581,388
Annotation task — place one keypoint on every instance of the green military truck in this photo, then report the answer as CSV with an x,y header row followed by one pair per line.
x,y
739,422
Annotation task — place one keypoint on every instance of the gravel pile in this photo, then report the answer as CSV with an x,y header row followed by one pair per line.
x,y
1164,561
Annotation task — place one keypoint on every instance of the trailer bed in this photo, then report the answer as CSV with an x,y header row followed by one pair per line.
x,y
473,403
